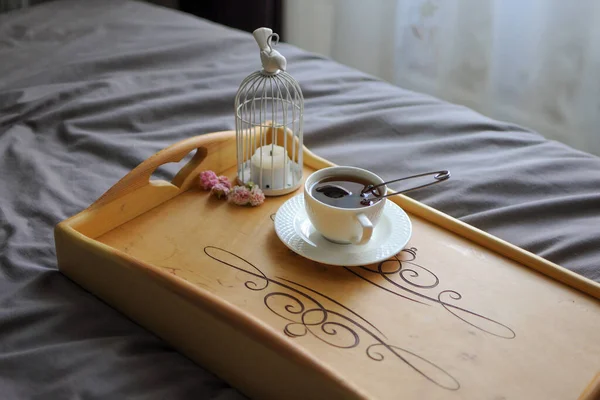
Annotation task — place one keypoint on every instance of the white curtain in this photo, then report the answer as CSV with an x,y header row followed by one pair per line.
x,y
532,62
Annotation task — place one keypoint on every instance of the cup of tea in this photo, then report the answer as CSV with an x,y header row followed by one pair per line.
x,y
336,208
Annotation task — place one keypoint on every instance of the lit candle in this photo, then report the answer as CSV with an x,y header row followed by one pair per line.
x,y
272,160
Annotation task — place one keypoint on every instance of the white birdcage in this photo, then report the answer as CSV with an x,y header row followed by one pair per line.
x,y
269,110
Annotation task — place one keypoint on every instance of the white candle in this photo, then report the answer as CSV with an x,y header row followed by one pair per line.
x,y
272,160
272,157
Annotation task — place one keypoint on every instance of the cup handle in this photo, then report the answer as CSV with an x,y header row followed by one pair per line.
x,y
367,229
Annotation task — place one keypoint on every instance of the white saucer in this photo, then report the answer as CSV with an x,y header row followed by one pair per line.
x,y
295,230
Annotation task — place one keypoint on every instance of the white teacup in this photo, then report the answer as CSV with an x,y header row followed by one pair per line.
x,y
343,225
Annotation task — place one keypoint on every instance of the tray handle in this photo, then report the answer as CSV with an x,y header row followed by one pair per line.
x,y
183,180
592,391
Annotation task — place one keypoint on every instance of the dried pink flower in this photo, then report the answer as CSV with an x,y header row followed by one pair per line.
x,y
208,179
239,195
225,181
220,190
257,197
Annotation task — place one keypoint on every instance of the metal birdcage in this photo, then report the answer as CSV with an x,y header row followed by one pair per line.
x,y
269,109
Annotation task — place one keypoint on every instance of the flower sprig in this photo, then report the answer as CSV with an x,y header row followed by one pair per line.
x,y
220,187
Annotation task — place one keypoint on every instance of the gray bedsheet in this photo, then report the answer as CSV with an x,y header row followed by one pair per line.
x,y
89,89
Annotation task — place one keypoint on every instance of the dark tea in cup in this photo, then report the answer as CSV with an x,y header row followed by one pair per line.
x,y
343,191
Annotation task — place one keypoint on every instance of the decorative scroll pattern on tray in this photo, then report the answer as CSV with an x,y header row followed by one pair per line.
x,y
408,279
305,313
303,309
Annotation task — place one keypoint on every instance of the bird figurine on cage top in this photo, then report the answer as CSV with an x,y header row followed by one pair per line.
x,y
269,109
271,59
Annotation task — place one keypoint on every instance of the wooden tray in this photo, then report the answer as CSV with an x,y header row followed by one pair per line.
x,y
458,314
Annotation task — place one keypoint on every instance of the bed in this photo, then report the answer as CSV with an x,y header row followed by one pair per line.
x,y
88,90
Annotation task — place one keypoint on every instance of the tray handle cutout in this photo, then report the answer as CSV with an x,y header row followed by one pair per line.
x,y
141,175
